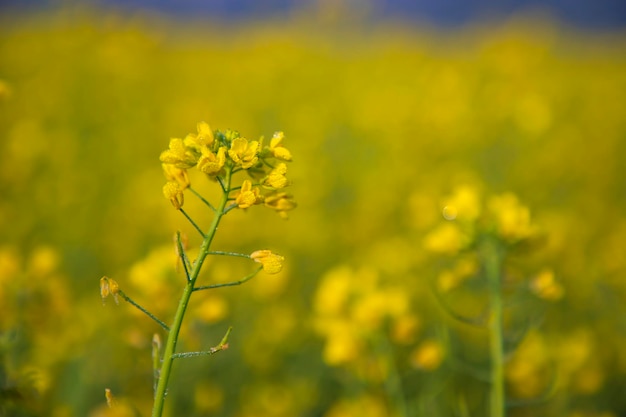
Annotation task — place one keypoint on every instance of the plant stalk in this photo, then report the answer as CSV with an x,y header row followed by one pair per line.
x,y
172,339
493,261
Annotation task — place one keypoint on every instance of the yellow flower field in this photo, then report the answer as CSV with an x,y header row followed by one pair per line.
x,y
454,245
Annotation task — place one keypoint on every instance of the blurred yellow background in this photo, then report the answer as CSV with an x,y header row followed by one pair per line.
x,y
384,121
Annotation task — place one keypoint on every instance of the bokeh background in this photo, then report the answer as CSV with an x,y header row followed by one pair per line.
x,y
388,110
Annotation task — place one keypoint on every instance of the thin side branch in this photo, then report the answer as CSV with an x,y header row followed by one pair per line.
x,y
146,312
229,284
478,321
193,223
219,252
223,345
197,194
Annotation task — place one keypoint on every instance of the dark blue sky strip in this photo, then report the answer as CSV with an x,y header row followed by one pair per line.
x,y
588,14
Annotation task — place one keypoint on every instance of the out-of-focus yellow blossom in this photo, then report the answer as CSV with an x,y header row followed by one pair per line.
x,y
277,148
173,192
276,179
333,291
449,279
545,286
212,309
248,196
244,153
43,261
211,163
463,205
272,263
427,356
405,328
172,173
281,202
525,371
589,379
365,406
447,238
341,344
179,155
512,219
369,311
108,287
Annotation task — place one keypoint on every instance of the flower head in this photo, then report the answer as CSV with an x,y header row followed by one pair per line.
x,y
244,153
179,155
173,192
211,163
172,173
109,287
248,196
277,149
511,217
447,239
276,178
545,286
281,202
272,263
205,135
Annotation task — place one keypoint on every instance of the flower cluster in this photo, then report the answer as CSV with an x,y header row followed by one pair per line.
x,y
501,216
215,152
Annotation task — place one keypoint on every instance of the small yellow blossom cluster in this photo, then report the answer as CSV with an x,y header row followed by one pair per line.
x,y
468,217
353,307
214,153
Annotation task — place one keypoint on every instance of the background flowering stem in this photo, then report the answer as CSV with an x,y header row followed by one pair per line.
x,y
492,258
172,339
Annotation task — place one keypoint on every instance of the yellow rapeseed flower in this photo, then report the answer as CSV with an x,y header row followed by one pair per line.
x,y
277,149
172,173
447,238
244,153
108,287
173,192
272,263
205,134
512,218
248,196
276,179
464,204
427,356
281,202
179,155
211,163
545,286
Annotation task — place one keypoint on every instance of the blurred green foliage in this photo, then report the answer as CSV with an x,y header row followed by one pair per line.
x,y
384,121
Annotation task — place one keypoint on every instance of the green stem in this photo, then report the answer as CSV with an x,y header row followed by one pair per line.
x,y
393,381
493,261
143,310
172,339
229,284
